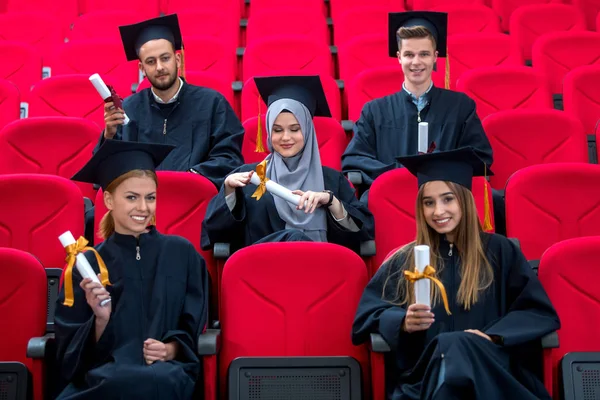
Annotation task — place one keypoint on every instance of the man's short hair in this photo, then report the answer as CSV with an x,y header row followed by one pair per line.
x,y
414,32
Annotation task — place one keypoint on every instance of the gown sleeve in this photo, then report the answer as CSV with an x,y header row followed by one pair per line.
x,y
530,315
473,134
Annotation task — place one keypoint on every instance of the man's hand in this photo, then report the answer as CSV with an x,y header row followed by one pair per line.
x,y
113,117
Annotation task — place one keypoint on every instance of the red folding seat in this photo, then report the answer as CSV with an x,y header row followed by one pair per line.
x,y
212,55
64,11
339,7
581,95
470,51
300,299
314,6
269,22
250,96
433,4
145,8
392,201
81,57
9,102
372,84
505,88
230,7
505,8
38,209
217,23
24,146
530,22
23,304
362,53
548,203
569,272
364,20
598,23
590,8
525,137
331,139
552,55
23,67
38,29
470,18
102,25
68,96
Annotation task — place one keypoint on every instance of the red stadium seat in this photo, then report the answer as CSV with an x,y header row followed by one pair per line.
x,y
362,53
23,306
9,102
314,6
102,25
364,20
36,211
301,308
530,22
505,8
250,96
38,29
548,203
269,22
292,52
525,137
145,8
212,55
392,201
590,8
339,7
64,11
581,95
372,84
470,51
331,139
68,96
80,57
230,7
216,23
23,67
552,55
598,23
437,4
24,146
470,18
569,272
505,88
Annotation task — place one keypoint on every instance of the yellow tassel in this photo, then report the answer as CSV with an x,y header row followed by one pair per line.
x,y
487,217
447,77
182,67
259,136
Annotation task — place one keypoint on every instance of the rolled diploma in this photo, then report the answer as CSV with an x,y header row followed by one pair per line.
x,y
422,286
423,137
103,90
277,190
82,264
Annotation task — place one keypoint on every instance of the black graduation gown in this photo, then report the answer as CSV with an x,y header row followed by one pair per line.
x,y
388,128
515,308
162,296
201,123
252,221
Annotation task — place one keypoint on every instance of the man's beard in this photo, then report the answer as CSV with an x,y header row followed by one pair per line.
x,y
159,85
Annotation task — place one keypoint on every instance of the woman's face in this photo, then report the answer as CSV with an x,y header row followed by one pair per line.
x,y
286,136
441,208
133,204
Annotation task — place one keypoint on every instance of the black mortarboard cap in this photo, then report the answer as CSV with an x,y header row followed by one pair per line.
x,y
458,166
308,90
435,22
136,35
117,157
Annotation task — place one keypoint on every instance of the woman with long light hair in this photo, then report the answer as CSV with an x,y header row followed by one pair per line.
x,y
488,313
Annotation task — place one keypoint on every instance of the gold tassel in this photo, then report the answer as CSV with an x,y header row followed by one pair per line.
x,y
487,217
447,77
182,67
259,135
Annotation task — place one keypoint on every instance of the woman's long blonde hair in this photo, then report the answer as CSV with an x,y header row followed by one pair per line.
x,y
107,224
475,269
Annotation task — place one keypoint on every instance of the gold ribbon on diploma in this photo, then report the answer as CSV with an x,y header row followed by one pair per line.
x,y
261,171
429,273
72,250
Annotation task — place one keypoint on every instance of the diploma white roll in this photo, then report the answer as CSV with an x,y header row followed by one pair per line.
x,y
82,264
423,137
422,286
277,190
103,90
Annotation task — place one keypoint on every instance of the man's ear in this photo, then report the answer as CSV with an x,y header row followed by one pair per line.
x,y
141,67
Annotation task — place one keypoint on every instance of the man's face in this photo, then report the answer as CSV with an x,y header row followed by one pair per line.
x,y
159,63
417,57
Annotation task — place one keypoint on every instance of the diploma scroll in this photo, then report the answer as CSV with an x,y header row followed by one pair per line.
x,y
107,93
422,286
277,190
82,264
423,137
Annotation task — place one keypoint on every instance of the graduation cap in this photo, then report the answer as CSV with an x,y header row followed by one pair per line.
x,y
434,22
458,166
117,157
307,90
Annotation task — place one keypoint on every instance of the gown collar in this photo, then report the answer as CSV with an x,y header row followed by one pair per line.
x,y
131,240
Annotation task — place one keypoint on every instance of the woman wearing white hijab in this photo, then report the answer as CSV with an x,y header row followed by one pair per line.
x,y
329,211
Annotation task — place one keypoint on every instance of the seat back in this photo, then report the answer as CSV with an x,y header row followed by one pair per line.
x,y
213,22
548,203
372,84
303,308
293,52
470,18
250,96
211,55
9,102
569,271
23,308
38,29
64,11
525,137
146,8
23,68
331,140
361,20
392,200
581,95
504,88
24,146
102,24
313,6
229,7
68,96
435,4
589,8
505,8
339,7
269,22
35,211
364,52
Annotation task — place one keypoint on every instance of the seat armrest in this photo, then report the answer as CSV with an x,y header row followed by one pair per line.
x,y
348,125
355,178
209,342
38,347
550,341
367,248
222,250
378,344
